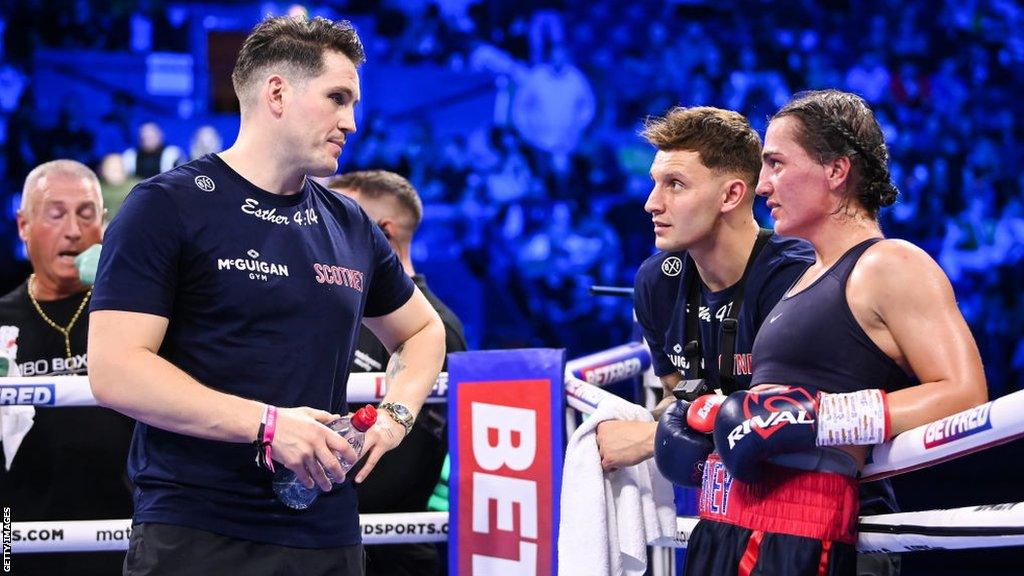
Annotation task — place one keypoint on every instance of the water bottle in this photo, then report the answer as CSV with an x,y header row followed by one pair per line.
x,y
353,428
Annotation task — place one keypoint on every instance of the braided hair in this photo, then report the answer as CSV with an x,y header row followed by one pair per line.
x,y
834,124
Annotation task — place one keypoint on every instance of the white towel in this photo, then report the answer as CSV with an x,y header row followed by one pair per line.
x,y
607,520
15,421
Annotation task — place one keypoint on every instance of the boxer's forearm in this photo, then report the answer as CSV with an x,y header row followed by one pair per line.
x,y
931,401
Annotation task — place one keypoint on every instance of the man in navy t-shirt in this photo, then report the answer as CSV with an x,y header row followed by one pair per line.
x,y
226,307
704,176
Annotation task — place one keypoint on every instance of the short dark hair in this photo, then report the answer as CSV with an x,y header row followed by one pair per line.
x,y
833,124
296,43
377,184
723,139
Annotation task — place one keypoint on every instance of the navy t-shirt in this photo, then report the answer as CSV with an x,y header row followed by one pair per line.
x,y
660,303
264,295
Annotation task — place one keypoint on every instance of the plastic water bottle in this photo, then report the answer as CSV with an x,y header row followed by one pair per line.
x,y
352,428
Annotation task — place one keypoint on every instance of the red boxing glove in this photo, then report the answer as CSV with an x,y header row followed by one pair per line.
x,y
702,413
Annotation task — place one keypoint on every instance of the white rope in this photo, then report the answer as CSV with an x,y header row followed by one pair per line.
x,y
972,430
988,526
366,387
112,535
582,396
60,391
956,529
612,365
51,391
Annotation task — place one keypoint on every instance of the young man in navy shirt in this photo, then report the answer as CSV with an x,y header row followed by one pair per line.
x,y
227,303
701,205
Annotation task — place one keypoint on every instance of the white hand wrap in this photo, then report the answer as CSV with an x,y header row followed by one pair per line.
x,y
854,419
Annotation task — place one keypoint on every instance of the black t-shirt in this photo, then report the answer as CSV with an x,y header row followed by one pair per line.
x,y
660,304
71,464
264,295
41,349
404,478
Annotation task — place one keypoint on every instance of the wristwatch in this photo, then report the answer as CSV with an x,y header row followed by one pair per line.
x,y
399,413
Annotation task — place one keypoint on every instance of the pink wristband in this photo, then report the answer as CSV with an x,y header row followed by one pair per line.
x,y
268,425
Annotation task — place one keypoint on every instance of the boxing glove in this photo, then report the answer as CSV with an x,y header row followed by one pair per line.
x,y
752,427
680,451
701,414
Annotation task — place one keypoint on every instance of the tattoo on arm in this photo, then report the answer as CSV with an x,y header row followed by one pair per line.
x,y
395,364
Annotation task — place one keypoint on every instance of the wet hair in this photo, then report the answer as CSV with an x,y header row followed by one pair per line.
x,y
69,168
834,124
723,139
295,44
376,184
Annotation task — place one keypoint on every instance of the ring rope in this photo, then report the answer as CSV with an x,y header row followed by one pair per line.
x,y
987,526
113,535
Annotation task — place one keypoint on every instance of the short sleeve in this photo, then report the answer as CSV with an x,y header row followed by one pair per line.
x,y
139,262
643,306
390,287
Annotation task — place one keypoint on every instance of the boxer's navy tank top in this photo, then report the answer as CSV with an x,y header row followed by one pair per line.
x,y
812,339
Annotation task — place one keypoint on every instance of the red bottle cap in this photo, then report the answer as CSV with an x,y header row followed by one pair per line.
x,y
364,418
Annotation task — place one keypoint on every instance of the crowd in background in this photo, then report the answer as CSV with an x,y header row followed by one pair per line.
x,y
547,199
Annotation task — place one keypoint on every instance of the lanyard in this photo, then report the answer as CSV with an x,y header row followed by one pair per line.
x,y
729,325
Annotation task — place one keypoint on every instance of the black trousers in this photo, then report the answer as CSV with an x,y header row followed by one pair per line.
x,y
166,550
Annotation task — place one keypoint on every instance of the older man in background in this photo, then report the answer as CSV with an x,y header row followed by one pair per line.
x,y
67,463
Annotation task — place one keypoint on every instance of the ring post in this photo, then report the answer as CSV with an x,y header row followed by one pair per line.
x,y
507,451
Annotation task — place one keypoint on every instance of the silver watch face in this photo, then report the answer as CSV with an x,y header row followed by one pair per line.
x,y
402,412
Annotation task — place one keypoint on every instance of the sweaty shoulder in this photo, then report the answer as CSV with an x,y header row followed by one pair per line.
x,y
894,265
